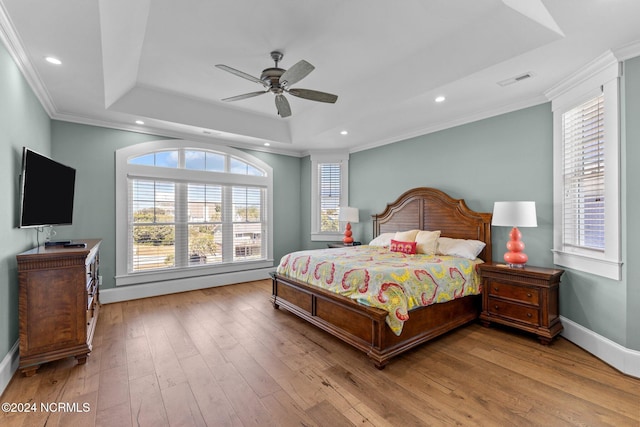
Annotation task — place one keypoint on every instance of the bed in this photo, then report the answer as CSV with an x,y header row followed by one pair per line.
x,y
365,327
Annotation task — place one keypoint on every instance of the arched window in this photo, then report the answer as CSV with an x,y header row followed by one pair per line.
x,y
185,209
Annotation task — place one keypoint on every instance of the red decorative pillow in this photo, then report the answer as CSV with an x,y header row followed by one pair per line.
x,y
404,247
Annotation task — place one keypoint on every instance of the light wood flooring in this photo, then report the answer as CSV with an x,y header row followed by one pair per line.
x,y
225,356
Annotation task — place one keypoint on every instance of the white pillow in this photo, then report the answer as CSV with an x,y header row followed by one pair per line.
x,y
406,236
427,242
382,240
460,247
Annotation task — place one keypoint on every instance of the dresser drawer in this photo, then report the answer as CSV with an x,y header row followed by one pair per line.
x,y
521,313
514,292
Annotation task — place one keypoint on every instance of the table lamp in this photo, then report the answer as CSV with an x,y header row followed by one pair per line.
x,y
348,215
515,214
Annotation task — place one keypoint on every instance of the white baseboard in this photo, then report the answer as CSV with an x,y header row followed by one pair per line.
x,y
623,359
126,293
9,366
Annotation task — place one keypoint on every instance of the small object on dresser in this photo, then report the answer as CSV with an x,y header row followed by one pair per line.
x,y
56,243
75,245
525,298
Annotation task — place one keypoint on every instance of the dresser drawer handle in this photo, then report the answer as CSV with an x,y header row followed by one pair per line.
x,y
529,294
496,307
529,315
495,288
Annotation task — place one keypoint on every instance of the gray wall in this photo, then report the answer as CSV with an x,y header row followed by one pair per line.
x,y
23,122
91,150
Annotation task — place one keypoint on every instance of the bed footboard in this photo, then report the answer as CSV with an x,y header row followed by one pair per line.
x,y
364,327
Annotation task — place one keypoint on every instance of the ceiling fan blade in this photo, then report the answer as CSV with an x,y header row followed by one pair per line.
x,y
242,74
314,95
283,106
297,72
245,96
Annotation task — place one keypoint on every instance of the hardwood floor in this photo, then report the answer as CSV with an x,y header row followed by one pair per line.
x,y
225,356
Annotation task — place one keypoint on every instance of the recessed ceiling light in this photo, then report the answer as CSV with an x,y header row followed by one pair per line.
x,y
440,98
52,60
266,144
344,132
139,122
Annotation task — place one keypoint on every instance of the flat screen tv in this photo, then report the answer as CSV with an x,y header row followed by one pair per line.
x,y
46,191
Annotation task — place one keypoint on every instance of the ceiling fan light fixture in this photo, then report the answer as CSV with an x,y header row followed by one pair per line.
x,y
278,81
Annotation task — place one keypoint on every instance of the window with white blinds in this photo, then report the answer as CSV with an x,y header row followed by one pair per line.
x,y
194,209
583,213
586,170
329,191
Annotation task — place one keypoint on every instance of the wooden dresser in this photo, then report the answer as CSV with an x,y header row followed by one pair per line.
x,y
58,303
524,298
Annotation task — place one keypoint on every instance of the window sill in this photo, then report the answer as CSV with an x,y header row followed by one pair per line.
x,y
589,264
184,273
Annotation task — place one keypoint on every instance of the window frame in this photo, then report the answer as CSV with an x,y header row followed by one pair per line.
x,y
316,160
124,171
600,77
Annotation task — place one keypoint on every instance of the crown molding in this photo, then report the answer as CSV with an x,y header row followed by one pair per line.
x,y
12,41
602,64
505,109
628,51
82,120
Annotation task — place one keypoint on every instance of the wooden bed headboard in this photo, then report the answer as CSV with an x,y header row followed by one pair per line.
x,y
426,208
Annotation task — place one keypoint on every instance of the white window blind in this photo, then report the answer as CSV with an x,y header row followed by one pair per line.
x,y
330,183
586,169
152,224
329,191
583,212
197,217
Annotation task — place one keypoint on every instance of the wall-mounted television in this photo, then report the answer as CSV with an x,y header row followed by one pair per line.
x,y
46,191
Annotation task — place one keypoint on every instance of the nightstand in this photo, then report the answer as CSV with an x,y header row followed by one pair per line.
x,y
524,298
340,245
336,245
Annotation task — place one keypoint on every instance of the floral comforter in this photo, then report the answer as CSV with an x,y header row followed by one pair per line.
x,y
377,277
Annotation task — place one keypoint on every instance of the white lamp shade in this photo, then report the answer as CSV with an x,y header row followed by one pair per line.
x,y
514,214
348,214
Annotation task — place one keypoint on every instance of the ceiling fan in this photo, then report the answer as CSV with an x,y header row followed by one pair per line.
x,y
278,81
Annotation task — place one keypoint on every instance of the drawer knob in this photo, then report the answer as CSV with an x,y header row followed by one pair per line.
x,y
528,314
495,306
529,294
495,288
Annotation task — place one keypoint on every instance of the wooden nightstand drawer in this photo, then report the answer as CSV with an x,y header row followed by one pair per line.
x,y
520,313
514,292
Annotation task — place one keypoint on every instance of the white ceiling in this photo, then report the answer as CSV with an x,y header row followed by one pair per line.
x,y
126,60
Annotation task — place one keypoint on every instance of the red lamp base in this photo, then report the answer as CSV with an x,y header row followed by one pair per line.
x,y
515,258
348,240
